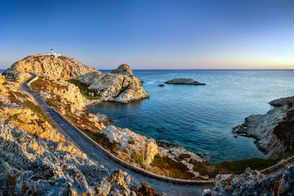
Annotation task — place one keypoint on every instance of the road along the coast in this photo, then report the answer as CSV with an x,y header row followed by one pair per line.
x,y
99,156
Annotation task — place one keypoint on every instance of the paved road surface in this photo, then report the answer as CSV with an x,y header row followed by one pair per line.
x,y
99,157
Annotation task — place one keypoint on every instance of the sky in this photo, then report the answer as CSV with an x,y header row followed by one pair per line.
x,y
152,34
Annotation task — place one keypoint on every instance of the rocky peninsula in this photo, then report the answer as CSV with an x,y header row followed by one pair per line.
x,y
184,81
37,157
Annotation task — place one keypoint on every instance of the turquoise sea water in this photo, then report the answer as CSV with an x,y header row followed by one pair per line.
x,y
200,118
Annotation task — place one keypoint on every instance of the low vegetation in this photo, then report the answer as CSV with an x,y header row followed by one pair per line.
x,y
16,97
137,157
102,140
41,84
171,168
83,88
146,190
238,167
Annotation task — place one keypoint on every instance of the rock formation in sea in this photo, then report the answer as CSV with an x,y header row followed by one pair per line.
x,y
119,86
187,81
273,131
254,183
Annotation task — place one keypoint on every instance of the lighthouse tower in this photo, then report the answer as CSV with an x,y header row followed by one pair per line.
x,y
53,53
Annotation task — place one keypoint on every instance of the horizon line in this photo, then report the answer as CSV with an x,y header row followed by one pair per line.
x,y
214,69
201,69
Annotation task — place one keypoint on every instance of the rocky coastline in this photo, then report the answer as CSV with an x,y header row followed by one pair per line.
x,y
253,182
20,111
273,131
36,158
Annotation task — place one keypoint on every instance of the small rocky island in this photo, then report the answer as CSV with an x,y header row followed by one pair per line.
x,y
187,81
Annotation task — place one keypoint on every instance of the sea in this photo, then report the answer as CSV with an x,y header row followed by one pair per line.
x,y
201,118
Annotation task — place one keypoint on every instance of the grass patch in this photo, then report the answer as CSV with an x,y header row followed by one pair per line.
x,y
82,121
83,88
238,167
207,168
137,157
103,140
41,84
80,85
173,168
26,103
53,102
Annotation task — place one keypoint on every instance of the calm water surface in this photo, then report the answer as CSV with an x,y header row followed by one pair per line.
x,y
200,118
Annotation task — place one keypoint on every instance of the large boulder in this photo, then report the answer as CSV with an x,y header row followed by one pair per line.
x,y
61,67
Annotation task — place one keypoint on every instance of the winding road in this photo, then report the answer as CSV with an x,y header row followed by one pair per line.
x,y
96,155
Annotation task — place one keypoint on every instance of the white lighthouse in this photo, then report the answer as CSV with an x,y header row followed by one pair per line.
x,y
53,53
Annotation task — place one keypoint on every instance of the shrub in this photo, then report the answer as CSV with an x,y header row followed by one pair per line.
x,y
137,157
146,190
238,167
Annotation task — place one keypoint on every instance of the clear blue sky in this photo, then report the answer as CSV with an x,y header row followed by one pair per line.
x,y
151,34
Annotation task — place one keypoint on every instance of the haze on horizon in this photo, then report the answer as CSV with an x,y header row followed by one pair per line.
x,y
152,34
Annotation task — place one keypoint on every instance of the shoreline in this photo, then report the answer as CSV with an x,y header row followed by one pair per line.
x,y
162,143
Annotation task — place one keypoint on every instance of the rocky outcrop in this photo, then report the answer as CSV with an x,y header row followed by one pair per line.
x,y
145,153
123,69
254,183
274,131
37,159
132,143
67,99
119,86
187,81
61,67
33,166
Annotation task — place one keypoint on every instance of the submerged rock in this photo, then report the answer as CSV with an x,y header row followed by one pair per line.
x,y
274,131
188,81
161,85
